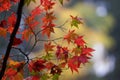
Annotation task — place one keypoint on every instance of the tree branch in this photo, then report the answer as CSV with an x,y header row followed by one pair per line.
x,y
20,50
19,14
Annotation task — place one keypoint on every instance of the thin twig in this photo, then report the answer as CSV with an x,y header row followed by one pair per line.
x,y
22,52
51,39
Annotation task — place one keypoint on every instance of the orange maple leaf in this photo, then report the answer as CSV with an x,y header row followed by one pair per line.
x,y
3,32
77,50
26,34
36,11
70,36
47,29
12,74
48,47
49,17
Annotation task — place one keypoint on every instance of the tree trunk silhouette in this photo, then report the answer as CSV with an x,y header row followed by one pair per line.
x,y
19,14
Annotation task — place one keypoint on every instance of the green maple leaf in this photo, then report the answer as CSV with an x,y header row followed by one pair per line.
x,y
27,2
61,2
48,56
44,77
55,77
75,23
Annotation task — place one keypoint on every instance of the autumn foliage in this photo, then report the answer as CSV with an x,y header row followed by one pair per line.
x,y
43,67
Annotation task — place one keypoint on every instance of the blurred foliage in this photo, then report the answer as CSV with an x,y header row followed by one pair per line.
x,y
95,28
88,12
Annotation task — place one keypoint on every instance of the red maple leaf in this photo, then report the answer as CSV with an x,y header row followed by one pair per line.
x,y
10,29
41,2
36,11
87,51
49,65
3,23
79,41
35,78
17,41
83,58
73,64
37,65
62,53
47,4
4,5
12,20
10,72
31,22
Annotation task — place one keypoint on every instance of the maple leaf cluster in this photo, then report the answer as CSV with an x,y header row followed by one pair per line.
x,y
56,56
7,25
14,70
5,5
